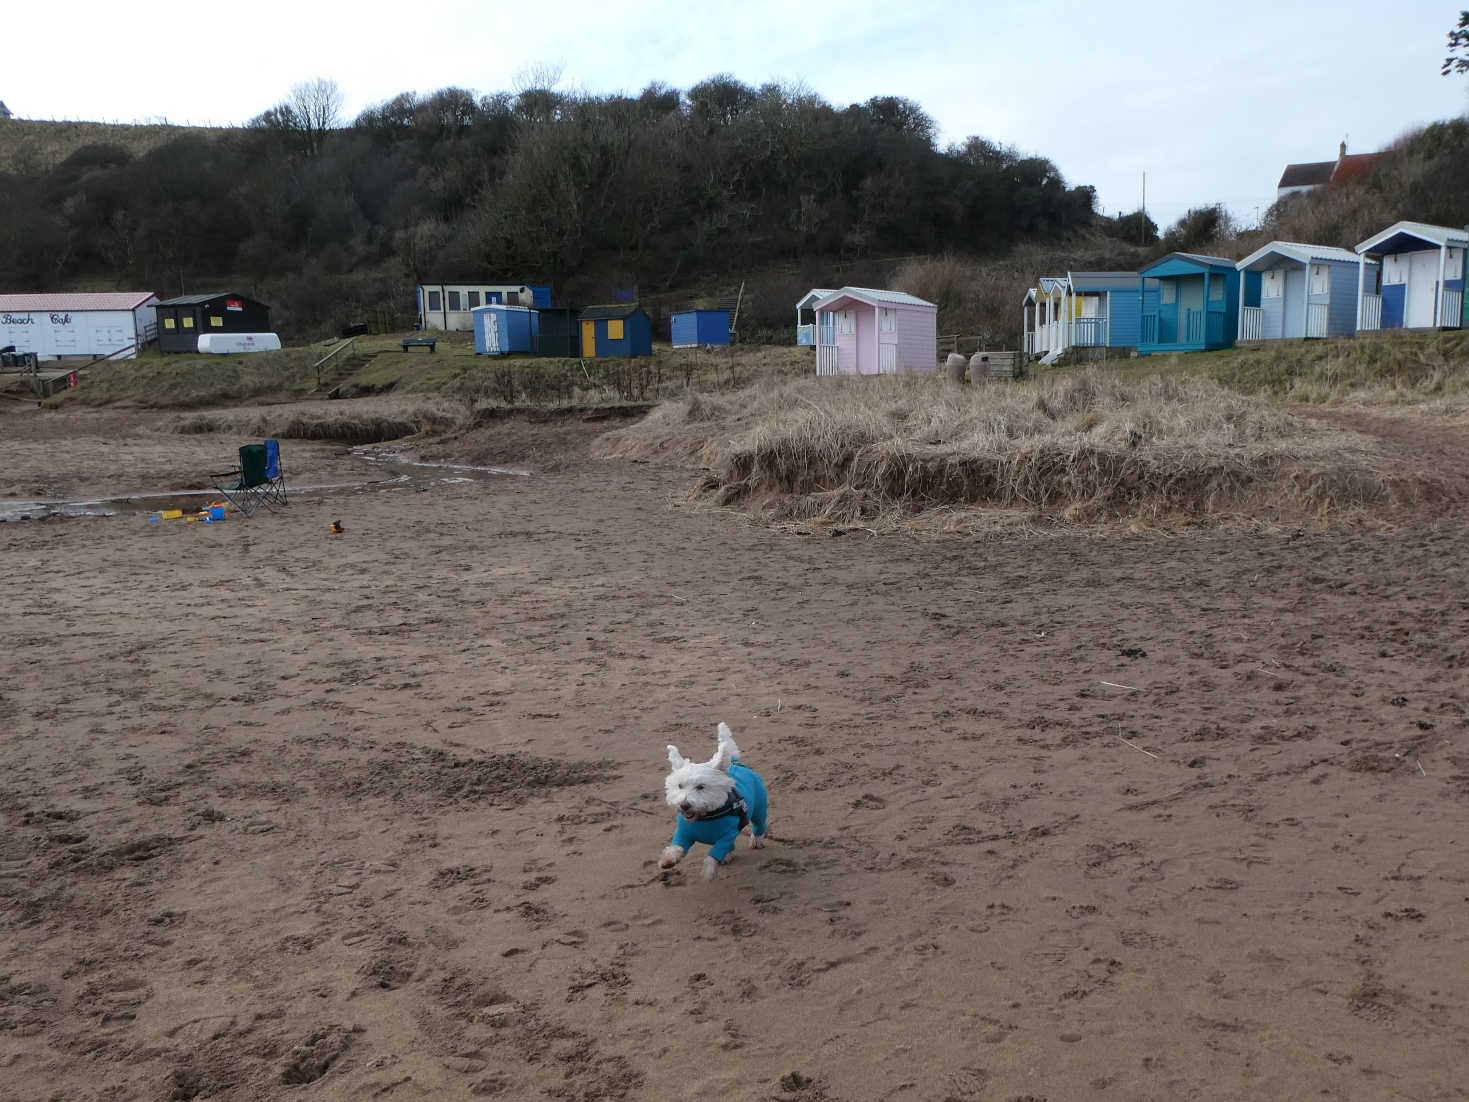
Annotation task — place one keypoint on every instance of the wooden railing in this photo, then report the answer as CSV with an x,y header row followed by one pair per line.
x,y
1252,324
1030,344
826,360
1149,333
1371,312
1316,319
1193,327
1089,332
805,335
1453,310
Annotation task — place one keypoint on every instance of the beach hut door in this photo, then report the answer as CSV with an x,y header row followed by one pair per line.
x,y
492,333
1422,289
588,338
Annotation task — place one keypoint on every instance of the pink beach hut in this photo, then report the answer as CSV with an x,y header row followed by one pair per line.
x,y
862,331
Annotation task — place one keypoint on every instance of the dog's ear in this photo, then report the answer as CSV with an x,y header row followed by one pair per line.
x,y
675,759
722,758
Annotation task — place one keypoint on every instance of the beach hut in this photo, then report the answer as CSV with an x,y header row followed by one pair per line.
x,y
1419,281
1093,311
1301,291
500,329
620,330
556,332
1197,304
865,331
692,328
183,320
806,330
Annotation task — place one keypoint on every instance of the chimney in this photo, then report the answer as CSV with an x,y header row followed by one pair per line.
x,y
1340,156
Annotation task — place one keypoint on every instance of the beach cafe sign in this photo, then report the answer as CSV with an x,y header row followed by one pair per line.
x,y
30,319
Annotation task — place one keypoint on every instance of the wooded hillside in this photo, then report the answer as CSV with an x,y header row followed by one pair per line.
x,y
667,190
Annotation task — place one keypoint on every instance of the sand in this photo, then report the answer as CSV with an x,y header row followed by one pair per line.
x,y
288,814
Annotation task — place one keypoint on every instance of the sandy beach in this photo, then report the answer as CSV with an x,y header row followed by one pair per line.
x,y
377,815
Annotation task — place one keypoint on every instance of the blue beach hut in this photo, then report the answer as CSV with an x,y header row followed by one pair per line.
x,y
1196,306
1300,291
692,328
500,329
620,330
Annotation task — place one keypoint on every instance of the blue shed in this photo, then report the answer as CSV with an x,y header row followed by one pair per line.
x,y
500,329
691,328
540,294
1299,291
621,330
1197,304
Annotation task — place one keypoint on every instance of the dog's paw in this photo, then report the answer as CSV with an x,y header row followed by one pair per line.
x,y
670,857
711,867
757,841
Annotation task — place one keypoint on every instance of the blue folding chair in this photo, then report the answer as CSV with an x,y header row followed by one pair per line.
x,y
257,481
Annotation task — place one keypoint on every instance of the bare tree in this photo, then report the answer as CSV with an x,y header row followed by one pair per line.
x,y
317,105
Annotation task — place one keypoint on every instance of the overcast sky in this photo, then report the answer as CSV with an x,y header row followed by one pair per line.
x,y
1211,108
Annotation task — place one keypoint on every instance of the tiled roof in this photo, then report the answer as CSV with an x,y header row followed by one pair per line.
x,y
1353,165
1308,175
76,301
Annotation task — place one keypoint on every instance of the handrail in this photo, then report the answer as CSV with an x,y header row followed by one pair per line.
x,y
351,343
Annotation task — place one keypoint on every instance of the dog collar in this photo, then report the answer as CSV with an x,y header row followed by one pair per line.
x,y
735,805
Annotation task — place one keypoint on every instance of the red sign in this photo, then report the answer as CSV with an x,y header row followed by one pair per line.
x,y
233,304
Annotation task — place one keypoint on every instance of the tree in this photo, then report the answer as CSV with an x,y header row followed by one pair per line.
x,y
1458,44
318,108
303,118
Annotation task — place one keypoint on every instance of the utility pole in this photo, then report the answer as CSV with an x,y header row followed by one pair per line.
x,y
1142,223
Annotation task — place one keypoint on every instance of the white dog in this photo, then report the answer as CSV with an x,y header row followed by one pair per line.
x,y
715,801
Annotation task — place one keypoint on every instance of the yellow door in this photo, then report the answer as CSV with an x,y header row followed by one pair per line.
x,y
588,338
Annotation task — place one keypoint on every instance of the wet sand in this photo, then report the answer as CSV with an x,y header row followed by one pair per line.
x,y
378,814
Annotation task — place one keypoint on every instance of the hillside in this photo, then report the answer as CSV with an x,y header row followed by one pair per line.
x,y
28,146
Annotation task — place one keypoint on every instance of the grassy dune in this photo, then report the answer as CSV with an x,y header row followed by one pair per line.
x,y
1081,446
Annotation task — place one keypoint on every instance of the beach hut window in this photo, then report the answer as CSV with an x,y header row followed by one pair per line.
x,y
188,321
888,320
1320,279
1167,292
168,323
1216,290
846,323
1272,284
615,330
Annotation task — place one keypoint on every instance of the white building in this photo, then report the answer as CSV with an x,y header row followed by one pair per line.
x,y
450,306
84,326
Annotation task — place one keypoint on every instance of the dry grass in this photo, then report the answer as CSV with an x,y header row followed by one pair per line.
x,y
35,145
1084,448
365,421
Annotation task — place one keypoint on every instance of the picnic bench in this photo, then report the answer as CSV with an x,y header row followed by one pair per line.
x,y
431,343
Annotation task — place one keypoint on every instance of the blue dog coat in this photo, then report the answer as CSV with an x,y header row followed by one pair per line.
x,y
719,829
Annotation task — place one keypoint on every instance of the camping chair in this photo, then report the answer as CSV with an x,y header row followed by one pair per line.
x,y
257,481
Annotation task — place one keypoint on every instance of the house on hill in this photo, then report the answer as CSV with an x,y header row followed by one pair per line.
x,y
1301,291
864,331
1419,283
1197,304
1318,174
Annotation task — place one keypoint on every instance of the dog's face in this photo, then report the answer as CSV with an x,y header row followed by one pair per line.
x,y
696,788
